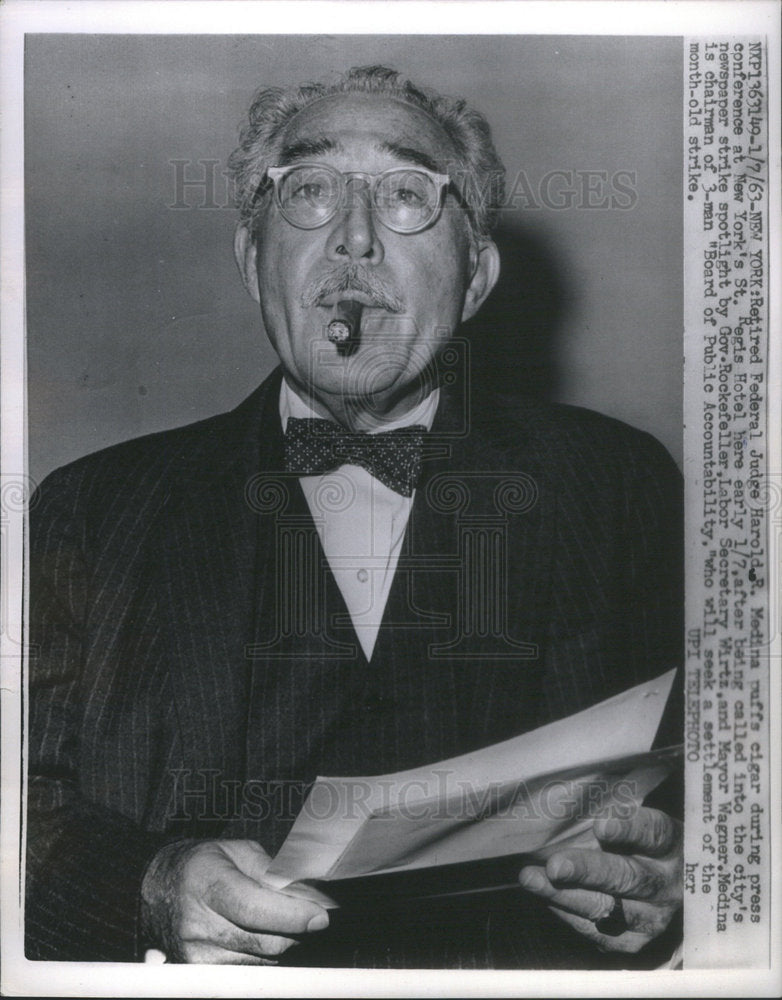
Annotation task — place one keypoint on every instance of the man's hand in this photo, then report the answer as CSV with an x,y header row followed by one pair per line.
x,y
641,863
205,902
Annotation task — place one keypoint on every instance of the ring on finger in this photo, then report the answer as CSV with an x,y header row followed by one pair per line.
x,y
616,922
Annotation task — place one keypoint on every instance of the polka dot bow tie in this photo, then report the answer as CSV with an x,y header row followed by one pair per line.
x,y
314,447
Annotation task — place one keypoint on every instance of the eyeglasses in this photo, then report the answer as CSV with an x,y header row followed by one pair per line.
x,y
405,199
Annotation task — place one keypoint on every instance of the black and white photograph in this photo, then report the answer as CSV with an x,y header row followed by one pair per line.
x,y
391,499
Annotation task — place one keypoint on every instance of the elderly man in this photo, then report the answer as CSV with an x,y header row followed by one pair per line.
x,y
290,588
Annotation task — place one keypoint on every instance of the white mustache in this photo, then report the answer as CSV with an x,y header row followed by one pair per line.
x,y
352,277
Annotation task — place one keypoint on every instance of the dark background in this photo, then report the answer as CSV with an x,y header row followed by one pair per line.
x,y
137,320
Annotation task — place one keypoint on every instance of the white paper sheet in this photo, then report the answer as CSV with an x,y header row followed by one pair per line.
x,y
524,795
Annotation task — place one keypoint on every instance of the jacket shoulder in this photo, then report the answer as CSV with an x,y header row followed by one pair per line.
x,y
143,469
571,439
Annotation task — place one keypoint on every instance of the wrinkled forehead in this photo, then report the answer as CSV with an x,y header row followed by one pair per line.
x,y
366,124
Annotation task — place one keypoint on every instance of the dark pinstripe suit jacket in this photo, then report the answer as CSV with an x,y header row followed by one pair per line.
x,y
150,559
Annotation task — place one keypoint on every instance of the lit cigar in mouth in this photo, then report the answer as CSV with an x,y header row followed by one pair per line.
x,y
346,321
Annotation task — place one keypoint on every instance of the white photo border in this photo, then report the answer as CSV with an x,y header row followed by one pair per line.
x,y
622,17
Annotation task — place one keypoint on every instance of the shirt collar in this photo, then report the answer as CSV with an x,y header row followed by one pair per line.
x,y
292,405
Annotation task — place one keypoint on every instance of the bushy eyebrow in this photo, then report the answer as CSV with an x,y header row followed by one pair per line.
x,y
411,154
305,148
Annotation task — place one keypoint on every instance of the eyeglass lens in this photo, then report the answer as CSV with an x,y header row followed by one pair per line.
x,y
404,199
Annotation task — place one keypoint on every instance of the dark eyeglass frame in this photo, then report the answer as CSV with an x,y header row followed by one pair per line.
x,y
441,182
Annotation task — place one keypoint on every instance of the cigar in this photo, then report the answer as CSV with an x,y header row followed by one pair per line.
x,y
346,321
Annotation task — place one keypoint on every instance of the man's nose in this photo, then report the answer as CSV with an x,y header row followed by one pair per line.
x,y
354,232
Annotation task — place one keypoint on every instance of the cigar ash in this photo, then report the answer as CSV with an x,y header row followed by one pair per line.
x,y
344,327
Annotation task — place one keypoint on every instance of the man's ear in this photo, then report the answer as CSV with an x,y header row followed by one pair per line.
x,y
245,255
485,263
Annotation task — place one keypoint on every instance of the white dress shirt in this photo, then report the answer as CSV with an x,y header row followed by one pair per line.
x,y
360,521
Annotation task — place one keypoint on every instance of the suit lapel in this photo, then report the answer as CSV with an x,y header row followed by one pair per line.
x,y
205,586
471,498
466,607
424,591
